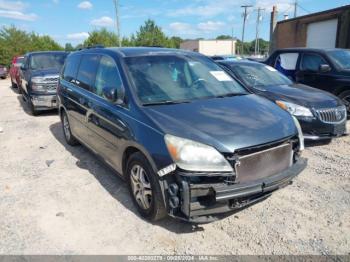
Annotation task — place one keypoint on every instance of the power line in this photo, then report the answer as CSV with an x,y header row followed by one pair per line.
x,y
304,9
245,15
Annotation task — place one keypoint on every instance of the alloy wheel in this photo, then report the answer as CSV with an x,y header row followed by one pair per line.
x,y
141,187
66,127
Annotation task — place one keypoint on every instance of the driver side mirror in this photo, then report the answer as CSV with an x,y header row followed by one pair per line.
x,y
114,94
324,68
23,67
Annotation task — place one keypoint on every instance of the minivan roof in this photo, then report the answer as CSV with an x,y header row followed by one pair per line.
x,y
137,51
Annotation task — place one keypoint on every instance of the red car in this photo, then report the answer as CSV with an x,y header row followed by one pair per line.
x,y
14,70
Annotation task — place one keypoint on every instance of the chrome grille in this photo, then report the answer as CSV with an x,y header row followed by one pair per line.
x,y
50,82
331,115
264,163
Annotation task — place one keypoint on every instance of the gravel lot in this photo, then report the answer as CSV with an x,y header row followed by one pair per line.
x,y
55,199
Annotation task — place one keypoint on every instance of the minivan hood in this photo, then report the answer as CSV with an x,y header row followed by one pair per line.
x,y
301,95
45,72
226,123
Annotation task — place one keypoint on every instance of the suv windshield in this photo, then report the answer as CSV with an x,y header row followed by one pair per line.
x,y
341,58
259,75
45,61
179,78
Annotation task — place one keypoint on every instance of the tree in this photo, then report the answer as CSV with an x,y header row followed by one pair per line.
x,y
223,37
68,47
174,42
14,42
43,43
150,35
101,37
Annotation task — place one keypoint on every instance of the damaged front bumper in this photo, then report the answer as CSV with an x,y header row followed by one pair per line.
x,y
201,199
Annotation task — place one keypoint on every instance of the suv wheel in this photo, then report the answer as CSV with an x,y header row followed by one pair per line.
x,y
70,139
13,85
144,188
32,109
345,97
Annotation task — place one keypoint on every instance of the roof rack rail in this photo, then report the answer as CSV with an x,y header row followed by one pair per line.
x,y
91,47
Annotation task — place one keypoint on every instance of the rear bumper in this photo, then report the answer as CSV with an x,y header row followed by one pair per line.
x,y
44,102
201,203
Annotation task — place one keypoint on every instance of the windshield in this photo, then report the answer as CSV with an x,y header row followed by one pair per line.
x,y
341,58
19,60
45,61
174,78
259,75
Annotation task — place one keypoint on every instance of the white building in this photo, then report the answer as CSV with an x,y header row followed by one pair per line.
x,y
211,47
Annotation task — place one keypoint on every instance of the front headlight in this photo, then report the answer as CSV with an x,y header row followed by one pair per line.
x,y
193,156
295,110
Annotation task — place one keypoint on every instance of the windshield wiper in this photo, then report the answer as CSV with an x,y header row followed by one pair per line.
x,y
167,102
231,95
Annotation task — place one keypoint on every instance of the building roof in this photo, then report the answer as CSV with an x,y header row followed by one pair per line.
x,y
345,7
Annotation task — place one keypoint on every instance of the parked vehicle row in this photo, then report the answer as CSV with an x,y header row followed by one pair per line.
x,y
192,137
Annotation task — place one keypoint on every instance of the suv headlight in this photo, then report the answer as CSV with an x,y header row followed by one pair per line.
x,y
295,110
38,84
193,156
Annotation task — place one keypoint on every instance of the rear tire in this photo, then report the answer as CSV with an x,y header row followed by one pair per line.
x,y
70,139
144,188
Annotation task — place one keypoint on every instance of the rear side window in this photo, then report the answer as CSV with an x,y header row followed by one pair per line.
x,y
71,67
287,61
87,71
312,62
107,76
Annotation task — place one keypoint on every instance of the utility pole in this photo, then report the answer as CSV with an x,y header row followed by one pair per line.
x,y
116,7
232,44
245,15
256,51
295,8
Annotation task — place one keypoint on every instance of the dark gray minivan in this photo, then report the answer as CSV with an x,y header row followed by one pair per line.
x,y
189,140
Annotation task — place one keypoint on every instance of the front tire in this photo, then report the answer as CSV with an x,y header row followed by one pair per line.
x,y
13,85
345,97
144,188
70,139
32,109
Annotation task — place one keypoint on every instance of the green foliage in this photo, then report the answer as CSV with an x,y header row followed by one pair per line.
x,y
69,48
249,47
102,37
14,42
150,35
223,37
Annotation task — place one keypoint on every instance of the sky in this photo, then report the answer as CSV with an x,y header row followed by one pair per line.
x,y
72,20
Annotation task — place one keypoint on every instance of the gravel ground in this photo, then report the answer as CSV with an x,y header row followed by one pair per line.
x,y
55,199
